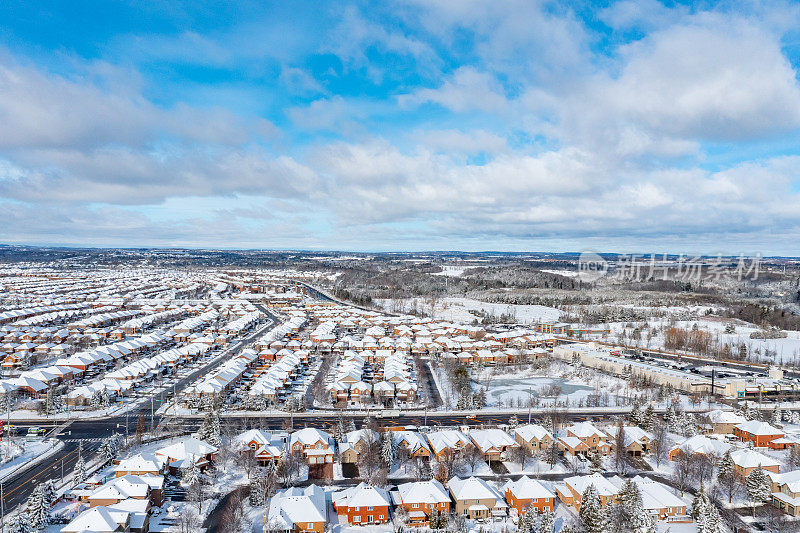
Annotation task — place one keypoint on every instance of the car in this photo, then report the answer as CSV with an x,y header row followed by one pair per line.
x,y
472,417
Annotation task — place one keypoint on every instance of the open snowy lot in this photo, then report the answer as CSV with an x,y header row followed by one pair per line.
x,y
466,310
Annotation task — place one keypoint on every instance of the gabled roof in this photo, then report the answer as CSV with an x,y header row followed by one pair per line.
x,y
531,432
473,488
526,487
429,492
756,427
362,495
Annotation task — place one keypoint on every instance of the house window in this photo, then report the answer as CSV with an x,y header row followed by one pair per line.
x,y
356,519
380,517
414,505
369,508
355,509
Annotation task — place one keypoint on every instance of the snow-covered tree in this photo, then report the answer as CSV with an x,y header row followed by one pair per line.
x,y
776,416
636,416
79,472
38,508
705,513
19,524
513,422
209,430
110,447
591,513
388,448
759,486
648,418
257,493
546,522
191,475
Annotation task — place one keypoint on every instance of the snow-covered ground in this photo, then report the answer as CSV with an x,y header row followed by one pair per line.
x,y
785,349
15,455
458,310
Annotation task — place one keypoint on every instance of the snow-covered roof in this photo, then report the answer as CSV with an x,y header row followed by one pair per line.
x,y
525,488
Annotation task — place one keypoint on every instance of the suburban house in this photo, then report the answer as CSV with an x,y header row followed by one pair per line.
x,y
524,492
747,460
756,432
533,436
298,509
99,520
493,443
786,491
659,501
476,499
571,490
186,452
355,443
721,422
315,445
362,505
413,443
139,465
700,444
420,499
448,439
595,440
635,440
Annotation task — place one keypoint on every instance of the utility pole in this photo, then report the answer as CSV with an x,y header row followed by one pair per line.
x,y
530,403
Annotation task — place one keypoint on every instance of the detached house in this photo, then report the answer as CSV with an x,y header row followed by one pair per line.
x,y
420,499
758,433
362,505
524,492
594,439
533,436
746,460
571,490
315,445
493,443
296,509
476,499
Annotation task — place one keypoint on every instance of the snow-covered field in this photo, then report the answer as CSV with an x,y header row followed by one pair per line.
x,y
458,310
779,350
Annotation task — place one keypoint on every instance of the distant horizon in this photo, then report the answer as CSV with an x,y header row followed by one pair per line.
x,y
608,254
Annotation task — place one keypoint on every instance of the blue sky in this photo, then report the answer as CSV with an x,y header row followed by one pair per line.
x,y
402,125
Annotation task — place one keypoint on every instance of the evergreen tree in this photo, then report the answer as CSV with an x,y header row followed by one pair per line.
x,y
591,513
776,416
19,524
546,522
38,507
705,514
759,486
191,475
209,430
79,472
670,417
795,418
513,422
725,465
699,504
636,417
388,448
257,493
649,418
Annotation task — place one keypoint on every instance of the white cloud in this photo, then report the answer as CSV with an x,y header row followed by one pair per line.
x,y
468,89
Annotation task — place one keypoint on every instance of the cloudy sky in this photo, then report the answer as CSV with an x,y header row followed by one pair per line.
x,y
402,125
